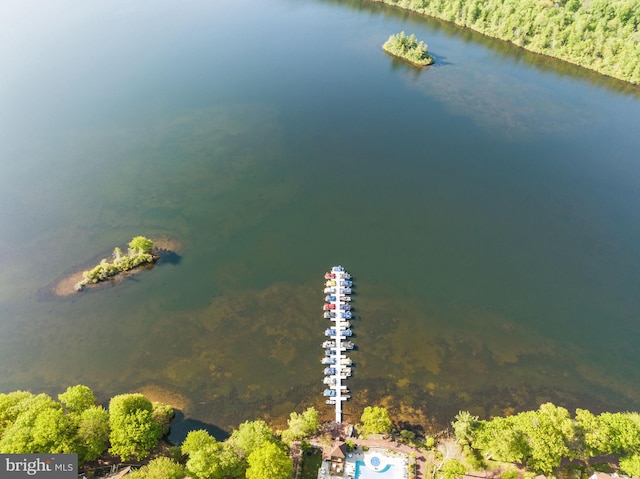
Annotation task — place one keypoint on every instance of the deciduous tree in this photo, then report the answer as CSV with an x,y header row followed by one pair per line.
x,y
269,462
375,420
301,425
160,468
77,399
133,430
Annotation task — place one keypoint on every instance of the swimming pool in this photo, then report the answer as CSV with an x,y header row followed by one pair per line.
x,y
387,471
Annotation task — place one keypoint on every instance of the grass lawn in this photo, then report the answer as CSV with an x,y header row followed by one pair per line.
x,y
311,463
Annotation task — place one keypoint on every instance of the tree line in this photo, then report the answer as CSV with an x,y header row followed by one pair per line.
x,y
600,35
541,440
76,423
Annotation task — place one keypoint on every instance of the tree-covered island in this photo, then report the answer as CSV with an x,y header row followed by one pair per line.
x,y
140,252
409,49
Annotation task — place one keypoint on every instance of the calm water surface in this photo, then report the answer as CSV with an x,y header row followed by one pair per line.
x,y
488,208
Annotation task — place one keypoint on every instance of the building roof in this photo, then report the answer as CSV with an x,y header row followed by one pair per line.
x,y
337,450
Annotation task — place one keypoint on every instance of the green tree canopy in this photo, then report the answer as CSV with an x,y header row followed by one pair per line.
x,y
375,420
465,426
502,439
133,430
141,244
93,433
34,424
301,425
549,431
77,399
269,462
631,465
160,468
452,469
250,436
210,459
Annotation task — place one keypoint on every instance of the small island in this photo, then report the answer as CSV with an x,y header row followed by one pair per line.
x,y
140,252
408,49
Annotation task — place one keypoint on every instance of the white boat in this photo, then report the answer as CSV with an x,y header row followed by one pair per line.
x,y
329,344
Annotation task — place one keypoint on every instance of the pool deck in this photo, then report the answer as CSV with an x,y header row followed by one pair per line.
x,y
399,461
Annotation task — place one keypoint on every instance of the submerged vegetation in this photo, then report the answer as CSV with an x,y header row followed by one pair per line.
x,y
408,48
602,35
140,252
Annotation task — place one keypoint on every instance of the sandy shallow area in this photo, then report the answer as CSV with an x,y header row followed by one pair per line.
x,y
157,393
65,286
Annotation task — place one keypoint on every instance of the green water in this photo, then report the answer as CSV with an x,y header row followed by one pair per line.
x,y
487,208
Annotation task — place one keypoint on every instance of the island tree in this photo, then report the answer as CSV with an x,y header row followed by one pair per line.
x,y
408,48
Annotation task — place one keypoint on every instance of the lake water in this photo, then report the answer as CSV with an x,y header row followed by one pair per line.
x,y
488,208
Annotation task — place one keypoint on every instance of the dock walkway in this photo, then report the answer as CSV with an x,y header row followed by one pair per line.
x,y
337,309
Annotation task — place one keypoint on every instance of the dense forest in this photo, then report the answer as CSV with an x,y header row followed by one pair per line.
x,y
601,35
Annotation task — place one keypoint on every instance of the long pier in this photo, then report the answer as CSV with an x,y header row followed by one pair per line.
x,y
337,309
